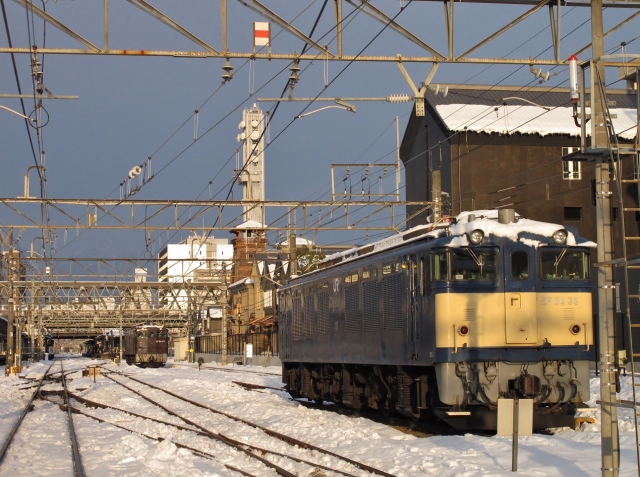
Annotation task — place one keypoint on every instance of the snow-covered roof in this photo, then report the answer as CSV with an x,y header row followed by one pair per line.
x,y
250,225
242,281
515,110
516,118
300,242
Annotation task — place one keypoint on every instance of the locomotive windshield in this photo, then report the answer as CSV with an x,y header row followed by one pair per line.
x,y
465,264
564,264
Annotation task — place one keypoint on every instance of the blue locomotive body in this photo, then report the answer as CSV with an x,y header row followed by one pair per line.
x,y
444,321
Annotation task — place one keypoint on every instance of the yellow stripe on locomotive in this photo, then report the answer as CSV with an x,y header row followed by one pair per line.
x,y
496,320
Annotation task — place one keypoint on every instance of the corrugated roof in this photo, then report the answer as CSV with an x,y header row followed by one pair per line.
x,y
511,112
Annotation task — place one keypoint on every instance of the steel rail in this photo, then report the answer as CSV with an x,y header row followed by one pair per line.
x,y
90,403
195,451
241,446
27,408
75,451
288,439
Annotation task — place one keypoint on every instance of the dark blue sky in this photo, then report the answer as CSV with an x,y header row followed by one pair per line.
x,y
130,107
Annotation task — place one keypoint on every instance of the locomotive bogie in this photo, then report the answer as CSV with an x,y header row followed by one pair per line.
x,y
149,359
397,389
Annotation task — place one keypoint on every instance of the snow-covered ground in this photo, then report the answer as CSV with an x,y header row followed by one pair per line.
x,y
109,451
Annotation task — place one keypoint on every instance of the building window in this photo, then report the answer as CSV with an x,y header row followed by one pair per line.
x,y
268,299
571,170
573,213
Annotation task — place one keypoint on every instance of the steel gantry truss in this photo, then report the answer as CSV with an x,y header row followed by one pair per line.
x,y
337,50
82,296
67,307
160,215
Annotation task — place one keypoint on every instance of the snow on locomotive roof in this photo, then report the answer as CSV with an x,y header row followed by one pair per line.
x,y
458,228
487,221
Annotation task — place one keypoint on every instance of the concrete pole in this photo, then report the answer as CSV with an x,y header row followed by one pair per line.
x,y
293,256
41,350
121,341
436,195
223,331
10,333
189,326
606,333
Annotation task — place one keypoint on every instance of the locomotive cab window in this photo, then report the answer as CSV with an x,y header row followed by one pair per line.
x,y
520,265
564,264
473,264
465,264
440,266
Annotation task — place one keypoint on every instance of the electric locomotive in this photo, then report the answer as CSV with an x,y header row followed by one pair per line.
x,y
443,320
146,346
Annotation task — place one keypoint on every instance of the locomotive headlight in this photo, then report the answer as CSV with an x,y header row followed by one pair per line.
x,y
575,329
463,330
476,236
559,236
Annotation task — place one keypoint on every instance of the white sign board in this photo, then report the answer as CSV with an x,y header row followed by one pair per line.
x,y
505,417
249,350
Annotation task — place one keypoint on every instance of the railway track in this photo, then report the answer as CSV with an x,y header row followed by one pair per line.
x,y
407,426
32,412
295,450
242,371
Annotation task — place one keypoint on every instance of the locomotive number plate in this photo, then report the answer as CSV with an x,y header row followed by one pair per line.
x,y
559,300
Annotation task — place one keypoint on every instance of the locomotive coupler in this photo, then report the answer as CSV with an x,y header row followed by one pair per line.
x,y
526,385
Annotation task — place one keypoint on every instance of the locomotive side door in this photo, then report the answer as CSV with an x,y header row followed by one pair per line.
x,y
413,305
521,323
285,323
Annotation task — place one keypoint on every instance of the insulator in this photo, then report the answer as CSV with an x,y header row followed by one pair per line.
x,y
399,98
227,75
573,78
227,66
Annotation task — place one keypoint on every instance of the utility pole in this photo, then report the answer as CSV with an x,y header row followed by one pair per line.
x,y
606,333
10,333
436,196
189,325
121,340
293,254
223,330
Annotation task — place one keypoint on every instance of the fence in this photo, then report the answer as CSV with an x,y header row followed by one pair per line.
x,y
265,343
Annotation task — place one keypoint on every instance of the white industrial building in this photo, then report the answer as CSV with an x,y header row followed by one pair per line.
x,y
194,260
